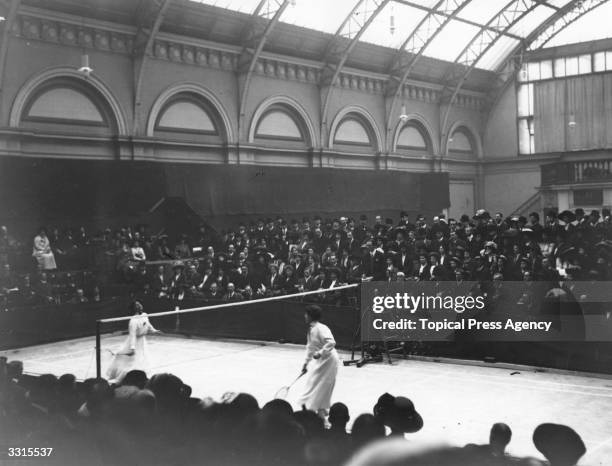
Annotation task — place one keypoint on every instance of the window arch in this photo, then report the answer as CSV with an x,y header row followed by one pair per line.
x,y
462,143
279,123
413,136
354,129
189,116
68,104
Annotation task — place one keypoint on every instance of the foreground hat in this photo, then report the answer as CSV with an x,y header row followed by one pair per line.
x,y
567,216
560,444
398,413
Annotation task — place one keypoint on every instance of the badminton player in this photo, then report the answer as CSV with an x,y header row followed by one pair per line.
x,y
320,349
133,353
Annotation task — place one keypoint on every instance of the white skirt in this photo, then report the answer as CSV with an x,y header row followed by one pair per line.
x,y
320,383
123,363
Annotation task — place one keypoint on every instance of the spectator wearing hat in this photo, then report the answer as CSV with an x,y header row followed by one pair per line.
x,y
178,282
559,444
399,414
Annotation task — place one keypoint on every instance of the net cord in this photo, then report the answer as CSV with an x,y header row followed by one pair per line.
x,y
233,304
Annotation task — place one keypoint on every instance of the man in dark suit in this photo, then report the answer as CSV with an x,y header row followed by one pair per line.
x,y
403,260
232,295
213,292
423,273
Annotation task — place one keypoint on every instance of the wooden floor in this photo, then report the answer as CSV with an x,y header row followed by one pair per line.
x,y
458,402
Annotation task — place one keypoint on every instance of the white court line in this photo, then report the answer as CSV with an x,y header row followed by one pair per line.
x,y
519,385
490,376
599,445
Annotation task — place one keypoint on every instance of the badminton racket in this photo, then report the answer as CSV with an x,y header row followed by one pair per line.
x,y
284,391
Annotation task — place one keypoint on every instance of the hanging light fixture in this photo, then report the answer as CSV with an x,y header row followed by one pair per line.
x,y
403,116
85,68
392,22
572,121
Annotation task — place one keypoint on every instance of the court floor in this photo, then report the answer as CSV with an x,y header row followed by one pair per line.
x,y
458,402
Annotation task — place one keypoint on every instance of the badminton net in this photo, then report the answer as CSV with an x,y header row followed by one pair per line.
x,y
274,318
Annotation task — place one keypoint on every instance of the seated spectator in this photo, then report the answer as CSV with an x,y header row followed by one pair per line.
x,y
137,252
79,297
495,451
231,295
366,429
42,251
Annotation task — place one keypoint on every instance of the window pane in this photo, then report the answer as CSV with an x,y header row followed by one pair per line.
x,y
546,71
584,64
523,74
525,100
608,61
571,66
600,61
559,67
524,137
533,70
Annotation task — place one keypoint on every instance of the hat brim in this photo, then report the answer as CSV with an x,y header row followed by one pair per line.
x,y
408,424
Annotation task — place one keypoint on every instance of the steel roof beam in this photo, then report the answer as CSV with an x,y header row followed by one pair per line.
x,y
449,14
415,44
150,18
480,44
265,17
546,31
9,20
340,48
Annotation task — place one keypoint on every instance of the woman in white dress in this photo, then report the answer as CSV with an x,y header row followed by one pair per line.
x,y
42,251
320,348
133,353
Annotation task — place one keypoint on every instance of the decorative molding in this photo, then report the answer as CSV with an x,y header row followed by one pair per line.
x,y
67,33
178,49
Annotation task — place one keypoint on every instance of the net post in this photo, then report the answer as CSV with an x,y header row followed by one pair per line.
x,y
98,351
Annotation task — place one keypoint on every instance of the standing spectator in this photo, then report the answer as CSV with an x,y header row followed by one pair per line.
x,y
182,250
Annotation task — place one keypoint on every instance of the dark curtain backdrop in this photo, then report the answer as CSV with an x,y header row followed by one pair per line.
x,y
110,193
583,99
223,190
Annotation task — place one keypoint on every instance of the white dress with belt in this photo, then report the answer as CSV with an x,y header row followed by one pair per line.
x,y
123,362
322,372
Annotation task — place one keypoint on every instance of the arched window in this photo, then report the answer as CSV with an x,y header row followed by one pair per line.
x,y
414,137
354,132
461,143
189,116
281,125
278,123
65,104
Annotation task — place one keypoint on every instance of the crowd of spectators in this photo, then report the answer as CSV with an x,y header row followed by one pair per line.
x,y
158,421
271,257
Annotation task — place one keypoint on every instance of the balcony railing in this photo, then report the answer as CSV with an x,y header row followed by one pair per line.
x,y
584,171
